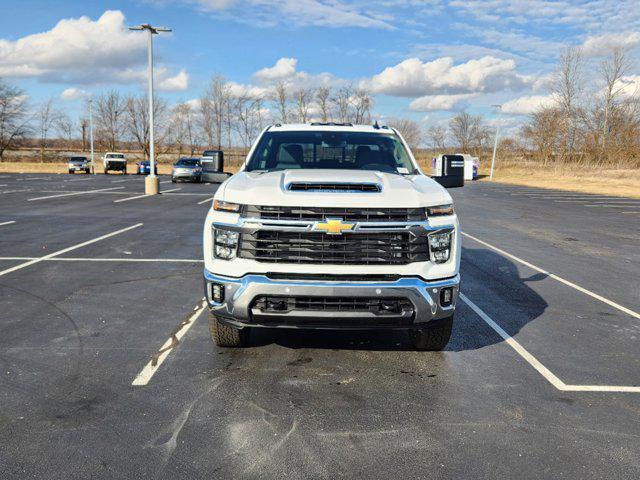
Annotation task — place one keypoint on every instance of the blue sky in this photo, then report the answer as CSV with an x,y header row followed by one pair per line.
x,y
423,59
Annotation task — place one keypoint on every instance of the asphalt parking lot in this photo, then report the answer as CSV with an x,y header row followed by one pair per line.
x,y
108,369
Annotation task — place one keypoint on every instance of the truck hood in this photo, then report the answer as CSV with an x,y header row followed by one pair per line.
x,y
270,188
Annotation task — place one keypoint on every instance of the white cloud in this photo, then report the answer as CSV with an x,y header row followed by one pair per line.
x,y
81,51
179,82
527,104
295,13
414,78
439,102
283,69
72,93
629,86
603,44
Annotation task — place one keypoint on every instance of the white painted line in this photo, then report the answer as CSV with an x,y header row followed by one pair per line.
x,y
166,181
611,206
538,366
131,198
152,367
205,200
150,260
143,196
88,259
631,212
84,192
68,249
8,223
171,190
531,360
119,181
4,185
556,277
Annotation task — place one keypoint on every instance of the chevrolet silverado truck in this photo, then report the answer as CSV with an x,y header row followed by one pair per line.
x,y
331,226
114,161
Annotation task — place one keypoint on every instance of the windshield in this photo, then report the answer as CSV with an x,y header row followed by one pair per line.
x,y
335,150
115,155
188,162
78,159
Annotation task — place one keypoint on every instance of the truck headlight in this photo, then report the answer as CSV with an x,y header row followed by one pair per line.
x,y
225,244
440,246
440,210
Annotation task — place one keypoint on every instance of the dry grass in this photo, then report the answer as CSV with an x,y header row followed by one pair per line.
x,y
616,182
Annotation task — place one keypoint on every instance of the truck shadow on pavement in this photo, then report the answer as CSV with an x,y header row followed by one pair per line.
x,y
490,280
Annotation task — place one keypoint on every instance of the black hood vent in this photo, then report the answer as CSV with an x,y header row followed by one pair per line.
x,y
334,187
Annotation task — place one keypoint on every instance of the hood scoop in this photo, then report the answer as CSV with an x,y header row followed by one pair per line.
x,y
342,187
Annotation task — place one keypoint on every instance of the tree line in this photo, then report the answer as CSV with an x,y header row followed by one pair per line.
x,y
225,115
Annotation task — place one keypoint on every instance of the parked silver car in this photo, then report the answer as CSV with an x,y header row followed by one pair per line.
x,y
79,164
189,169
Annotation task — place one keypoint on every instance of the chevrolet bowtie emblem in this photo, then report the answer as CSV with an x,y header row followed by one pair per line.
x,y
333,226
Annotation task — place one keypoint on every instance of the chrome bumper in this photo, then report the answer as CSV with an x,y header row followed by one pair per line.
x,y
236,308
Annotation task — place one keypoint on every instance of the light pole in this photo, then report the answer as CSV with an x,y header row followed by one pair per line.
x,y
93,167
151,183
495,143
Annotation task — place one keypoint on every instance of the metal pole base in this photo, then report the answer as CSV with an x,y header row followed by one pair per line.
x,y
151,185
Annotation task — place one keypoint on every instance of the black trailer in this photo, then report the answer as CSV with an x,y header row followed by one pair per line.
x,y
448,170
213,166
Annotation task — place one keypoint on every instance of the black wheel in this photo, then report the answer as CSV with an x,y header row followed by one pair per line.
x,y
173,180
71,172
434,337
226,335
87,171
106,170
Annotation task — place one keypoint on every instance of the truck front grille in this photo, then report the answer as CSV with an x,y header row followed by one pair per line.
x,y
346,214
389,248
375,305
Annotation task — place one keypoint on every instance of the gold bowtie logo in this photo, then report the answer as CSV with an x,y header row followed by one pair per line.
x,y
334,226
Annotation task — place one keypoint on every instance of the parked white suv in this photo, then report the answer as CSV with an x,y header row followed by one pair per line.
x,y
331,226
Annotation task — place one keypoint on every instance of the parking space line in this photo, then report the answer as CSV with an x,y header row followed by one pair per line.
x,y
206,200
143,196
538,366
68,249
84,192
611,303
131,198
97,259
8,223
166,181
119,181
160,356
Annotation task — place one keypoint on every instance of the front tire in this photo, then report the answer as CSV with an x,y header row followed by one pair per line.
x,y
434,337
224,335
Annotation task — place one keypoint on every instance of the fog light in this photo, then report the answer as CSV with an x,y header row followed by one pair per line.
x,y
217,292
446,296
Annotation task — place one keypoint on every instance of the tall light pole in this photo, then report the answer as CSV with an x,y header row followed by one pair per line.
x,y
495,143
151,183
93,166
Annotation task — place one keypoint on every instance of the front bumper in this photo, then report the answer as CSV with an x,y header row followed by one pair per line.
x,y
238,308
186,176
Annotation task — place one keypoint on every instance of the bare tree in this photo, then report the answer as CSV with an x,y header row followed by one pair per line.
x,y
542,132
568,89
110,119
612,70
137,121
65,127
410,130
281,99
362,102
45,118
437,136
461,127
248,116
215,107
323,99
342,101
182,129
84,125
303,98
13,117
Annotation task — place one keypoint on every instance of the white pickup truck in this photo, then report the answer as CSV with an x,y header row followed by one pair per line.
x,y
331,226
114,161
